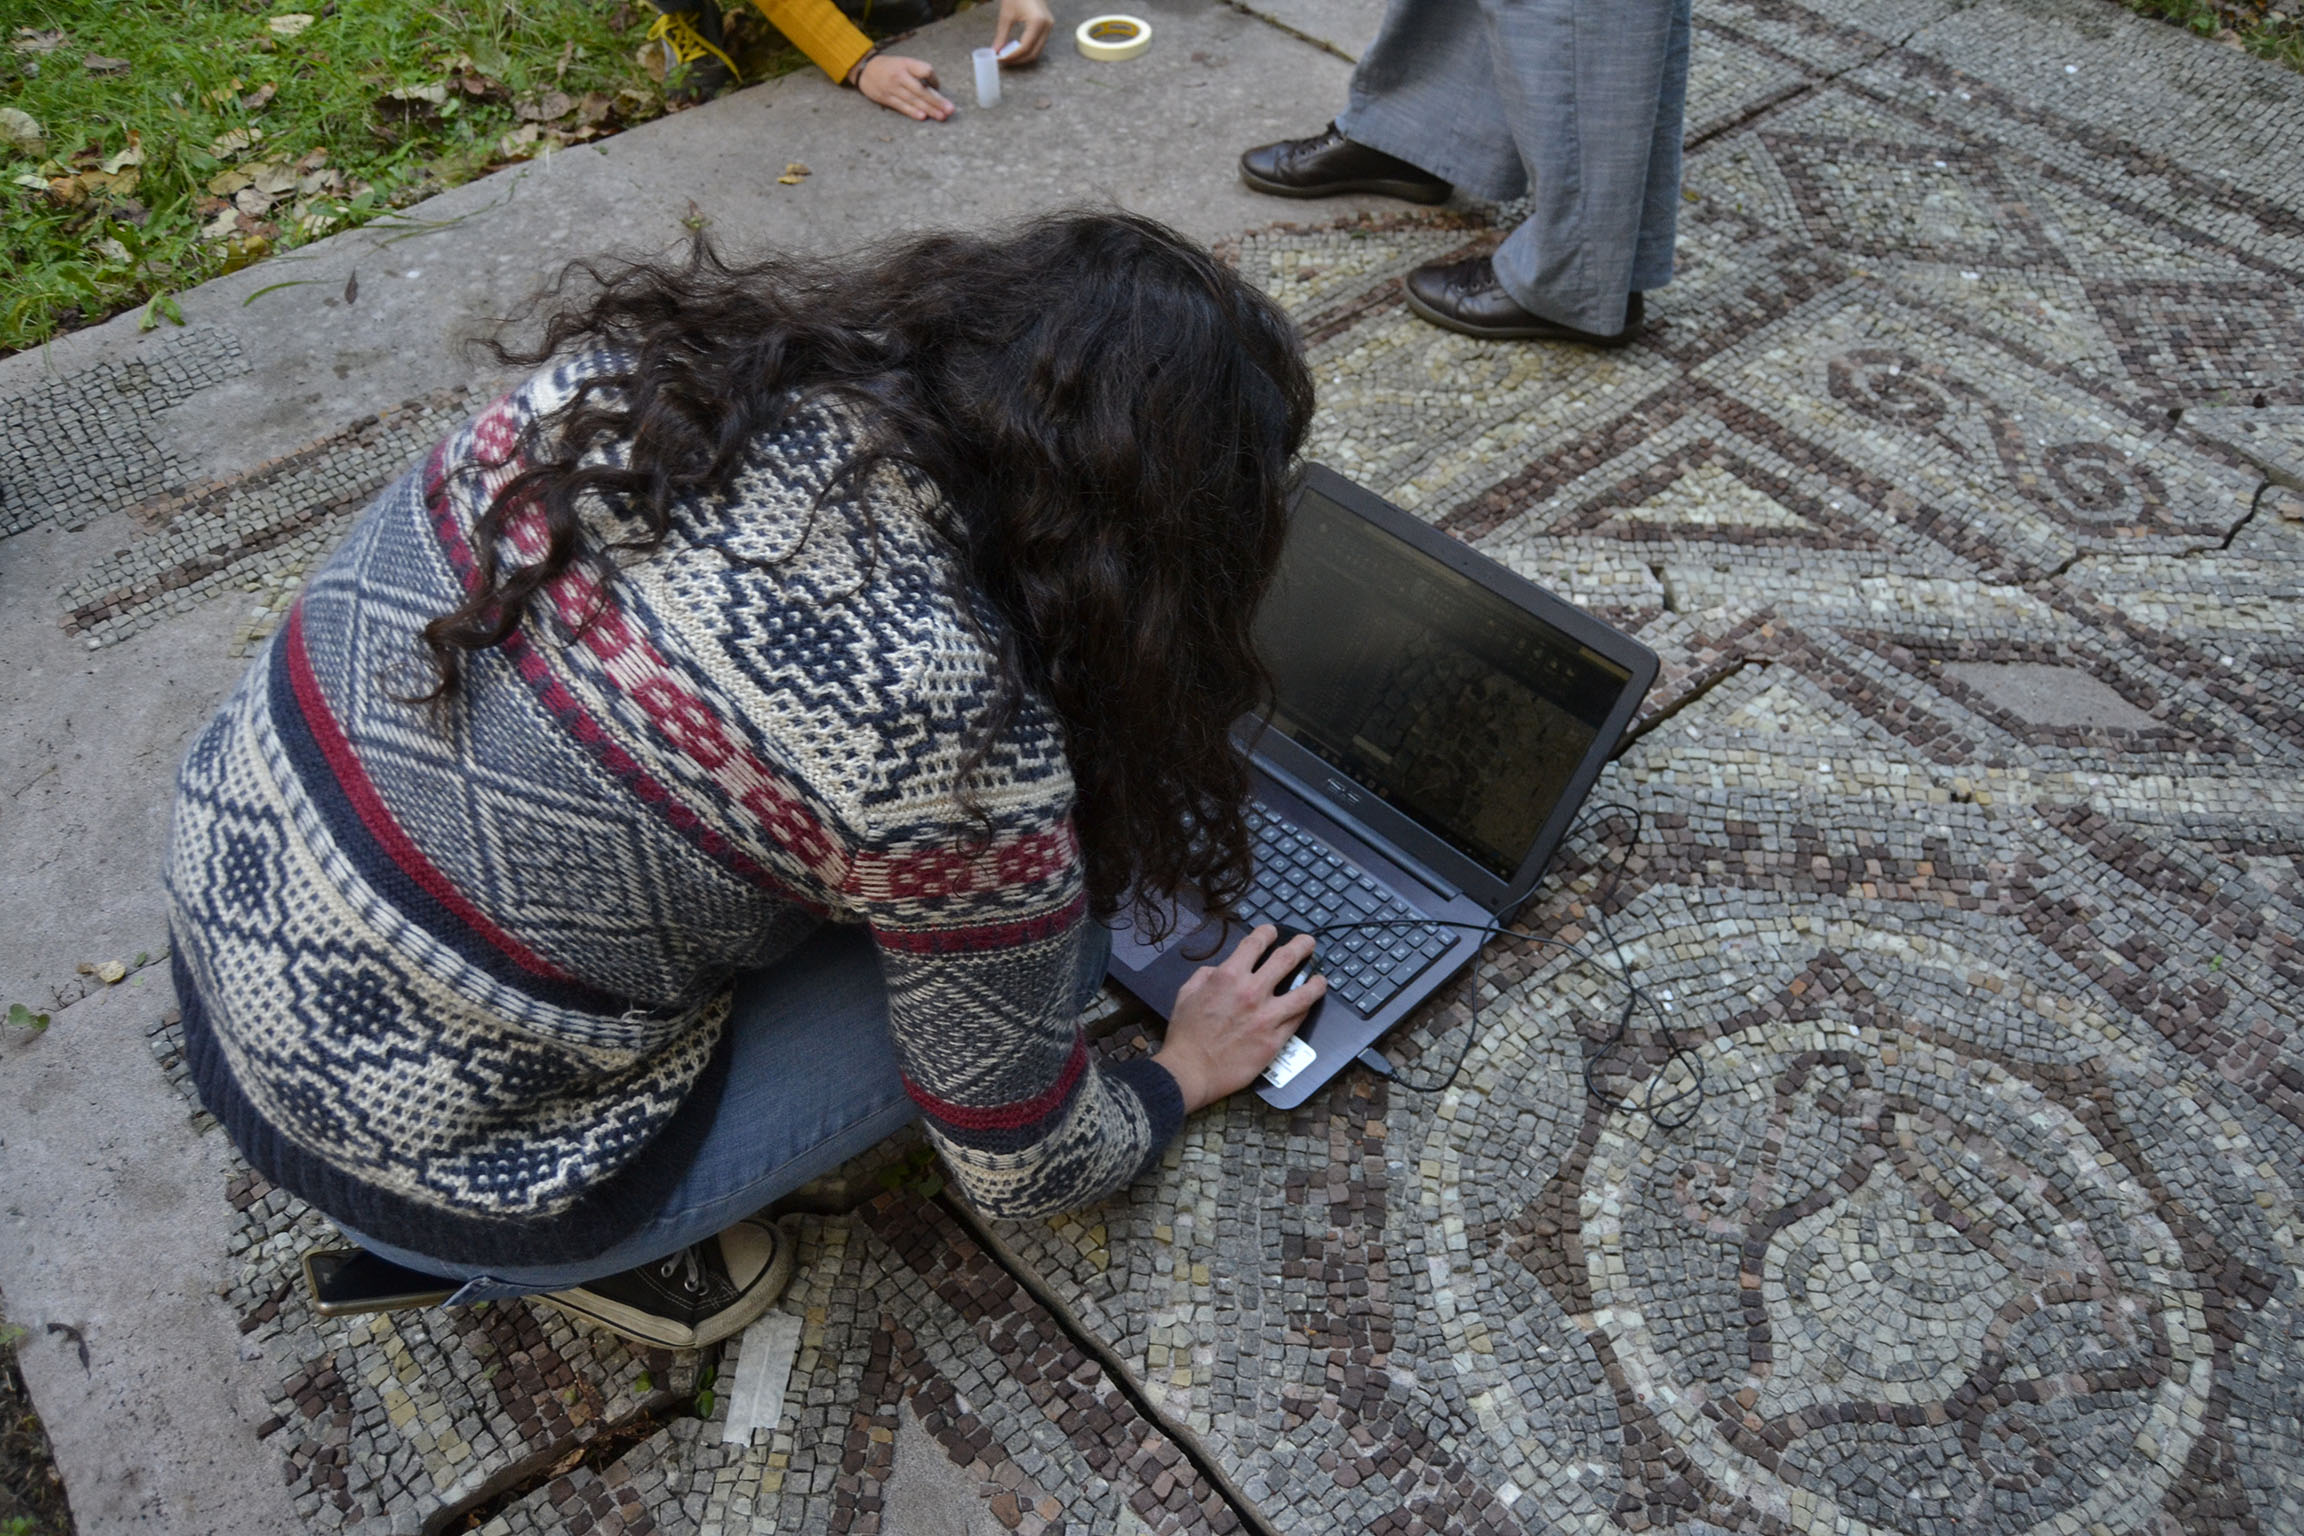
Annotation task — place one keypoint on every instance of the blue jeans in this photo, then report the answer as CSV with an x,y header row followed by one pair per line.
x,y
812,1081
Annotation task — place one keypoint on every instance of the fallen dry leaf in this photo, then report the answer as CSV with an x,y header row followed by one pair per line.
x,y
413,100
794,174
290,25
314,160
352,286
34,40
225,183
111,184
111,971
274,179
113,251
235,141
594,108
256,100
468,77
97,64
549,107
132,155
20,130
32,182
526,140
240,252
251,202
223,226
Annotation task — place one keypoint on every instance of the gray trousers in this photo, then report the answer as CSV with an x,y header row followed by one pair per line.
x,y
1577,100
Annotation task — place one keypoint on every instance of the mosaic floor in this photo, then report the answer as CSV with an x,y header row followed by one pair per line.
x,y
1958,483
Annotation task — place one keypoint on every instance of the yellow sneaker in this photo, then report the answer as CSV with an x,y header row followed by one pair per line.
x,y
683,50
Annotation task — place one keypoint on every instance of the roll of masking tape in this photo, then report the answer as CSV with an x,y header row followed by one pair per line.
x,y
1113,37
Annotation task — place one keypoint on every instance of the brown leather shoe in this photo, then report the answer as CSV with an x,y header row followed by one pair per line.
x,y
1329,164
1465,296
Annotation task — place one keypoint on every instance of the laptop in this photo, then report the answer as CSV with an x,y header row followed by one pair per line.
x,y
1436,724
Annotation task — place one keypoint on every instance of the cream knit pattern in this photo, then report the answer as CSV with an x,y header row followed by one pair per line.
x,y
457,972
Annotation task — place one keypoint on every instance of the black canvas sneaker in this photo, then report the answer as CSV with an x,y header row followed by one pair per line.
x,y
692,1298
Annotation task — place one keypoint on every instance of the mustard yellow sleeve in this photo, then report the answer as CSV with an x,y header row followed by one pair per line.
x,y
818,30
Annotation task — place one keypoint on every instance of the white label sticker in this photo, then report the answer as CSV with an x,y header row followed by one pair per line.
x,y
1294,1057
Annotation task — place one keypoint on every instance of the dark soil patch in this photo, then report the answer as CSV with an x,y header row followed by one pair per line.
x,y
31,1492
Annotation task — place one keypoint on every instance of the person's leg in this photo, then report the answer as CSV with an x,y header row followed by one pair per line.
x,y
1426,92
687,35
1593,93
812,1082
1660,209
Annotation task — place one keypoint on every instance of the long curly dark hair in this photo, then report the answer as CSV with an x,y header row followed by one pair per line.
x,y
1111,415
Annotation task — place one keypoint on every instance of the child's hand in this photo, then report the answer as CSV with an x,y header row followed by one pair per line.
x,y
1030,21
904,85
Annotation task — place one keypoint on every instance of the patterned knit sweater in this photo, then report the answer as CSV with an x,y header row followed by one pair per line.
x,y
457,973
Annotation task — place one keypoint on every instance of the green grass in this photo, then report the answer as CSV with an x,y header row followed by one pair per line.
x,y
159,120
2277,38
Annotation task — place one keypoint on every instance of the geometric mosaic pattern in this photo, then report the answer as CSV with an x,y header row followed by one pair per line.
x,y
1973,871
73,447
257,532
1988,1220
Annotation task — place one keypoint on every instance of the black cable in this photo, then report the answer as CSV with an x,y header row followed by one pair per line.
x,y
1634,995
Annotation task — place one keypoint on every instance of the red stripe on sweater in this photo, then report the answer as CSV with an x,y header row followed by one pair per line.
x,y
585,728
983,938
630,662
1004,865
1006,1117
353,780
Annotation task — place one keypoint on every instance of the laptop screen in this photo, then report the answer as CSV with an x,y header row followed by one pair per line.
x,y
1460,708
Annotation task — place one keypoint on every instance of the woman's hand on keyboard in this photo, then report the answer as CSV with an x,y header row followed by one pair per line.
x,y
1228,1024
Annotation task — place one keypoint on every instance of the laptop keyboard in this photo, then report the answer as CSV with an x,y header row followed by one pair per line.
x,y
1300,882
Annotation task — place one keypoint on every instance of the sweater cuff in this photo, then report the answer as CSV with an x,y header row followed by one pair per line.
x,y
1163,1103
818,30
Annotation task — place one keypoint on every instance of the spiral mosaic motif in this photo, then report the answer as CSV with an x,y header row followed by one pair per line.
x,y
1930,1299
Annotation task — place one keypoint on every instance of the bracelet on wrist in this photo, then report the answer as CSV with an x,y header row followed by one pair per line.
x,y
855,78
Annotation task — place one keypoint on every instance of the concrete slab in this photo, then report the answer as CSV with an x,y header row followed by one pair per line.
x,y
114,1271
1990,984
1342,27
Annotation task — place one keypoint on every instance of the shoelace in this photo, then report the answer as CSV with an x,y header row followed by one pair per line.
x,y
676,31
688,1266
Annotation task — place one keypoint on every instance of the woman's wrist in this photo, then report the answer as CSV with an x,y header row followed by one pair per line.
x,y
1189,1082
855,79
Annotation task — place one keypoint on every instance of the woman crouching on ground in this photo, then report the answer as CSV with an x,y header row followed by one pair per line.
x,y
721,751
